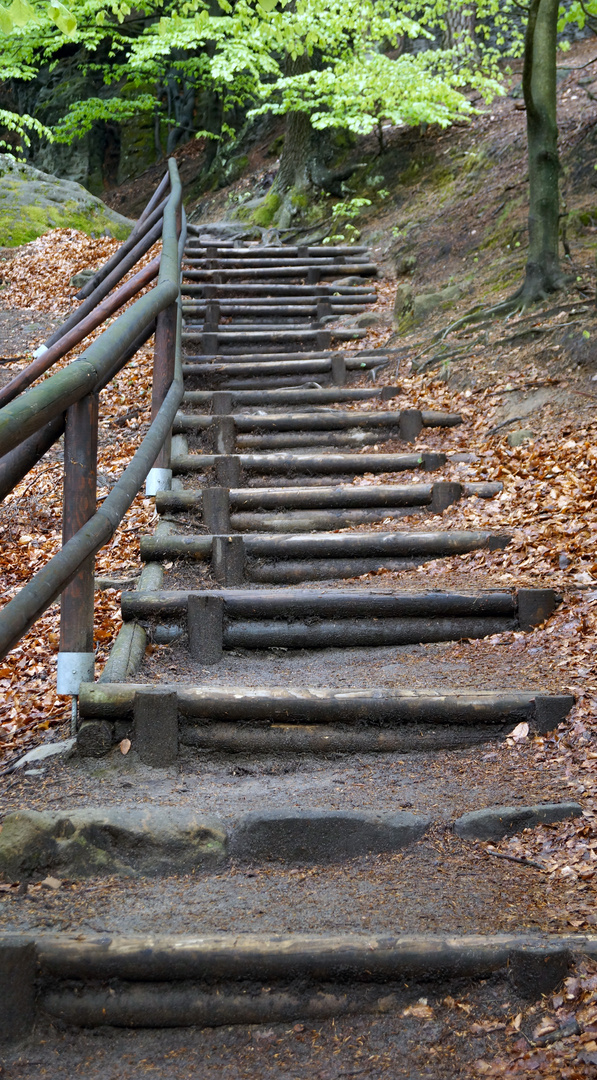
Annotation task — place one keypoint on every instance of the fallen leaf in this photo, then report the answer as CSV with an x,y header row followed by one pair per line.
x,y
51,883
125,746
520,732
420,1011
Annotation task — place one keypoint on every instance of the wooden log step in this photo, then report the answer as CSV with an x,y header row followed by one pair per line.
x,y
527,607
291,396
272,382
301,521
222,336
256,304
297,571
297,270
267,291
272,311
311,619
306,464
332,440
289,250
254,260
348,707
261,367
376,545
150,960
338,496
372,358
326,420
237,328
346,633
314,509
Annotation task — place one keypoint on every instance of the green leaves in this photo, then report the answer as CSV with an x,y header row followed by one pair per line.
x,y
6,23
21,12
62,17
267,5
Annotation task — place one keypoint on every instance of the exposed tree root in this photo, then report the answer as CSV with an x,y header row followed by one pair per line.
x,y
529,293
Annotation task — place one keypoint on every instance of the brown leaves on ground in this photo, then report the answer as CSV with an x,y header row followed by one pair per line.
x,y
31,516
39,275
556,1040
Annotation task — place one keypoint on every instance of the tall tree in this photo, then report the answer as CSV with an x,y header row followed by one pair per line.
x,y
543,272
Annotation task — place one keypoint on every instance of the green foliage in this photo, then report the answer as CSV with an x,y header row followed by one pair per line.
x,y
242,52
343,215
360,92
83,114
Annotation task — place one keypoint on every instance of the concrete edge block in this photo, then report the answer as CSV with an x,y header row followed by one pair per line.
x,y
290,836
496,822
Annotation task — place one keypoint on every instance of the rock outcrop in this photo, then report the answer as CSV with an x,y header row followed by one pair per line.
x,y
33,202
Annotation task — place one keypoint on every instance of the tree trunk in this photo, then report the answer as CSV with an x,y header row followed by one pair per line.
x,y
543,272
294,161
458,25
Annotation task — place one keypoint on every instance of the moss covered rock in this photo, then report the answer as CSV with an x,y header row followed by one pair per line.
x,y
33,202
148,841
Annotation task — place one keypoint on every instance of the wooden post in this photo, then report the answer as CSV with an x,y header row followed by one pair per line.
x,y
156,726
228,560
205,622
228,471
339,370
411,424
216,509
160,476
76,656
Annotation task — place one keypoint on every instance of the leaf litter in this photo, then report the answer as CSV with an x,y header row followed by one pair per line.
x,y
548,504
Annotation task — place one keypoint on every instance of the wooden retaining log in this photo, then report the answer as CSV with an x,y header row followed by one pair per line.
x,y
297,270
237,704
215,958
310,251
321,739
372,357
376,545
296,571
312,464
328,420
265,290
333,464
315,498
198,312
290,604
256,304
222,336
311,366
354,633
311,439
141,1005
256,257
316,520
293,263
294,372
293,396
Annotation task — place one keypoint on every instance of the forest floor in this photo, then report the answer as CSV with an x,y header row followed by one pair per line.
x,y
457,206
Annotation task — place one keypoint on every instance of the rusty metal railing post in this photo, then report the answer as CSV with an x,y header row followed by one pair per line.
x,y
76,656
